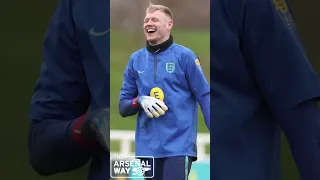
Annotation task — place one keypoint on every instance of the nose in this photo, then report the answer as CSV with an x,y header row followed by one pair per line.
x,y
149,23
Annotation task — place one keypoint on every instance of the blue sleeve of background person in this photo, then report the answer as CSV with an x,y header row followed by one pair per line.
x,y
275,55
198,84
128,91
301,126
61,95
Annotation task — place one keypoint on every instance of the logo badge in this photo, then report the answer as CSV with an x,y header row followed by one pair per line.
x,y
157,93
283,10
197,62
140,72
94,33
170,67
128,167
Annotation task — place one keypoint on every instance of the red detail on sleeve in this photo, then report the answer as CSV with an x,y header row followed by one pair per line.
x,y
135,103
76,132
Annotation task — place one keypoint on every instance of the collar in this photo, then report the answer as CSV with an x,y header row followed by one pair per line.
x,y
160,47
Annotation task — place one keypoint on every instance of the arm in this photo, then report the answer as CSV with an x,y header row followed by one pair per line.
x,y
281,69
301,126
198,84
128,105
60,97
52,150
275,56
204,102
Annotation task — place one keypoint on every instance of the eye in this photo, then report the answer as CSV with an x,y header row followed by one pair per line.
x,y
155,20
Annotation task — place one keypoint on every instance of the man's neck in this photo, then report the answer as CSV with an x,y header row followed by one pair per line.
x,y
160,47
160,41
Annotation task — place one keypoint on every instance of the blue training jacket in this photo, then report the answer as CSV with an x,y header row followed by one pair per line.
x,y
74,75
258,68
177,72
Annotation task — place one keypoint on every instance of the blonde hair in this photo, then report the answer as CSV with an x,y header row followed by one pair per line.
x,y
155,7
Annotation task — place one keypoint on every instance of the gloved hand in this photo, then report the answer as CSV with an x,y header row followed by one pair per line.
x,y
153,107
94,126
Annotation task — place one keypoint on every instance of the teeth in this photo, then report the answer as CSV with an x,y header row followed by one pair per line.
x,y
151,30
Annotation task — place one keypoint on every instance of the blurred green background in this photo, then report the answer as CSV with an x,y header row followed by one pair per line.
x,y
23,24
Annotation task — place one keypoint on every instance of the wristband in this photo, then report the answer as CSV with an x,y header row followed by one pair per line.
x,y
135,103
76,132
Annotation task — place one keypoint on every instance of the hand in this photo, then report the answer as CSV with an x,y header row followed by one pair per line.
x,y
95,126
153,107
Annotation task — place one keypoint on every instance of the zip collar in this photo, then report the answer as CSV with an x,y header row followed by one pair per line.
x,y
160,47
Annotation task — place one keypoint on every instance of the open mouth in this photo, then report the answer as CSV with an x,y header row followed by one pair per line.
x,y
151,30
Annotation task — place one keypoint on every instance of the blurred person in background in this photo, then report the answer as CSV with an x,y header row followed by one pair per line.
x,y
64,135
163,82
261,82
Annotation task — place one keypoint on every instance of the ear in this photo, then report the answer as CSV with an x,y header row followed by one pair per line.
x,y
170,24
